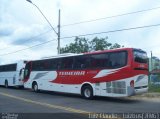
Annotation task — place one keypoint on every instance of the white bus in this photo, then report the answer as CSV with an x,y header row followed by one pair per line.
x,y
12,74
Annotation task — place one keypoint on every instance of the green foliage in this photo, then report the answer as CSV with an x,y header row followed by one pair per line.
x,y
99,44
154,88
82,45
116,45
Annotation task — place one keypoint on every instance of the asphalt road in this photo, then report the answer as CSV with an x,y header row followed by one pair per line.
x,y
26,101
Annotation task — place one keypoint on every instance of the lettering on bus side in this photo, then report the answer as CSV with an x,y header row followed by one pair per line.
x,y
72,73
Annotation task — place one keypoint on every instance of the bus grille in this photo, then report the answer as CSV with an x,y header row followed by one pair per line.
x,y
117,87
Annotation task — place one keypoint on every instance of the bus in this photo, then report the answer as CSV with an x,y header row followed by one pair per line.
x,y
113,73
12,74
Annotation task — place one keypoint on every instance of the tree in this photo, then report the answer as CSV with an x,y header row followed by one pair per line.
x,y
116,45
82,45
99,44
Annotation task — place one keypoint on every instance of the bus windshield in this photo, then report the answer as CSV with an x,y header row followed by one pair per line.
x,y
140,56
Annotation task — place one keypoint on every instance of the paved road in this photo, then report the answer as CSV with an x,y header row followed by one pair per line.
x,y
26,101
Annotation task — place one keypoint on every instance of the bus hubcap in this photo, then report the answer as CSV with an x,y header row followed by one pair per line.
x,y
6,84
87,93
35,87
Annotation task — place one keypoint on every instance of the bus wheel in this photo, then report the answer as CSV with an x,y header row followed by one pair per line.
x,y
35,87
6,84
87,92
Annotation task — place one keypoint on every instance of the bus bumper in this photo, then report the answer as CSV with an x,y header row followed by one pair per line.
x,y
141,90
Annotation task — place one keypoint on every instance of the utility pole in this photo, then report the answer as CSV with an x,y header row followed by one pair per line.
x,y
151,60
59,31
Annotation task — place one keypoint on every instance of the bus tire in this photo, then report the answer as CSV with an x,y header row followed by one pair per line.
x,y
87,92
6,84
35,87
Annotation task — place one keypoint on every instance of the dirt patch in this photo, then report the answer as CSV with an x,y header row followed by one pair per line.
x,y
147,96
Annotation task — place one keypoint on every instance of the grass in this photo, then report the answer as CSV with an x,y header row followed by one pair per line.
x,y
154,88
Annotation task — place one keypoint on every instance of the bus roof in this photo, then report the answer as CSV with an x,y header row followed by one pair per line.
x,y
109,50
94,52
60,55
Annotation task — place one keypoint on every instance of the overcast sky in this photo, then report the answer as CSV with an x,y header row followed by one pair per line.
x,y
22,25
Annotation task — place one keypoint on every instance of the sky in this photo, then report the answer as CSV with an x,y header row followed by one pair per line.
x,y
22,26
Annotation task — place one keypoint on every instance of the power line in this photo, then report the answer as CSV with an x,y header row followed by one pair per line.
x,y
34,37
93,21
27,48
124,14
112,31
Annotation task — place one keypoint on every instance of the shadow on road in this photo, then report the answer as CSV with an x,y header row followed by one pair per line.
x,y
117,99
65,95
105,99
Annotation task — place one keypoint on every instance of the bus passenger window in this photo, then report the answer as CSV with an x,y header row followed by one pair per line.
x,y
99,60
66,63
79,62
118,59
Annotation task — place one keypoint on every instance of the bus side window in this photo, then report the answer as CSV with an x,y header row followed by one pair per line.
x,y
53,64
20,72
25,72
79,62
118,59
99,61
59,64
82,66
66,63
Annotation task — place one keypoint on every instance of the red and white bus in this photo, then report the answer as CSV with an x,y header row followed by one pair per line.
x,y
114,73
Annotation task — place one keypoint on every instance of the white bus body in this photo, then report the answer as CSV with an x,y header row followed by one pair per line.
x,y
12,74
114,73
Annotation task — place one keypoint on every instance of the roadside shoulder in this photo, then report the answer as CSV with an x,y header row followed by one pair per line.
x,y
154,97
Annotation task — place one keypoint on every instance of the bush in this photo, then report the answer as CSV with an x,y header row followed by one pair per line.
x,y
154,87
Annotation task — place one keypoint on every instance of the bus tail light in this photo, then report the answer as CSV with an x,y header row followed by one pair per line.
x,y
132,83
